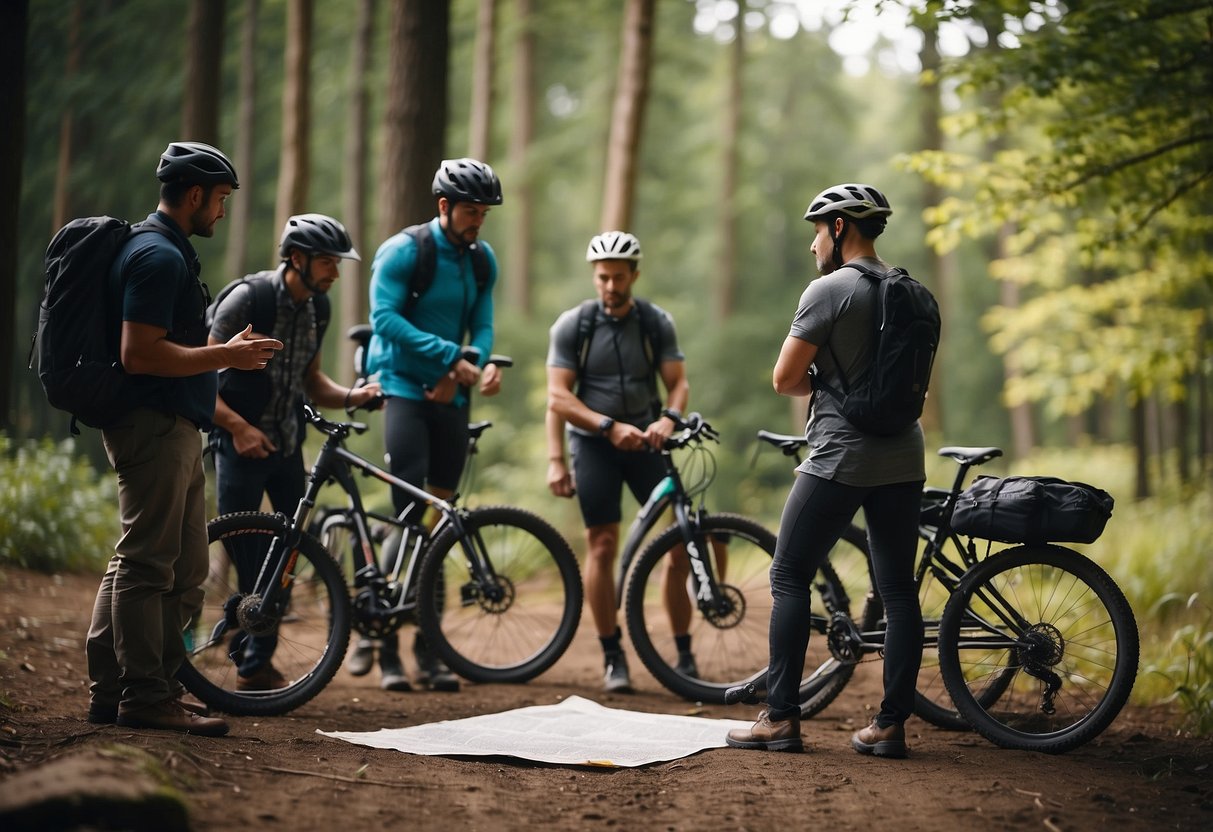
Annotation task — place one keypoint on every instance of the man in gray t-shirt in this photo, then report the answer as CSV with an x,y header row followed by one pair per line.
x,y
846,470
603,364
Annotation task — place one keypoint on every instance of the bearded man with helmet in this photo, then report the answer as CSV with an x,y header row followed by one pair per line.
x,y
831,339
604,361
431,296
153,584
258,440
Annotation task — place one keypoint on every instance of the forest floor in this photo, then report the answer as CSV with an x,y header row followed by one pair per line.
x,y
279,774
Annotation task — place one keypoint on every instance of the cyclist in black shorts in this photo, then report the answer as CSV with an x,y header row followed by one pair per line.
x,y
416,353
603,363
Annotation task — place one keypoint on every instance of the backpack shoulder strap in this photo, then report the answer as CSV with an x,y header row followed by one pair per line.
x,y
587,319
424,267
322,306
480,268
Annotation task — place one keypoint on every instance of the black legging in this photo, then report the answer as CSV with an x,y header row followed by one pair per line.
x,y
427,445
814,517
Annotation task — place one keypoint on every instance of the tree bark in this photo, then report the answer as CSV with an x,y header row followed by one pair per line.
x,y
415,116
354,301
240,219
518,285
627,115
61,207
295,158
203,71
480,121
1141,452
14,26
726,277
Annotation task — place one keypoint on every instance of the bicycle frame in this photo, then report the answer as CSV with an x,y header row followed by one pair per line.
x,y
671,493
335,463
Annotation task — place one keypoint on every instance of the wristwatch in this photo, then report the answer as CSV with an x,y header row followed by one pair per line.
x,y
674,415
604,427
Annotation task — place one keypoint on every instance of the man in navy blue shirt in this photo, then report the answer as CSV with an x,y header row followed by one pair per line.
x,y
152,586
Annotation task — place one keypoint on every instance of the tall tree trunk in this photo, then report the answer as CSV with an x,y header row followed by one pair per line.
x,y
942,268
354,299
61,207
523,121
726,277
295,158
14,26
415,116
203,71
241,214
1181,425
480,121
627,115
1141,452
1204,419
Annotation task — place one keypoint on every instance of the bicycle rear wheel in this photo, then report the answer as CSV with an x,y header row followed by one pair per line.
x,y
517,628
311,636
1053,630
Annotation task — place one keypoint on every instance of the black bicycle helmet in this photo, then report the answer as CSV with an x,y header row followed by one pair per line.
x,y
854,200
195,163
613,245
467,180
316,234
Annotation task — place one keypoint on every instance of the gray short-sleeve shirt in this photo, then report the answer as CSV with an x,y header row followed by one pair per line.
x,y
835,315
618,375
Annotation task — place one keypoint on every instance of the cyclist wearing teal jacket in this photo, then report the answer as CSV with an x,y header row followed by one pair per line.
x,y
426,304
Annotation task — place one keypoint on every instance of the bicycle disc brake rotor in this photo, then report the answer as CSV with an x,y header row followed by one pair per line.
x,y
498,598
374,615
730,612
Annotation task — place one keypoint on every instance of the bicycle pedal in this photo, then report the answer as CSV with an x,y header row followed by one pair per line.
x,y
743,695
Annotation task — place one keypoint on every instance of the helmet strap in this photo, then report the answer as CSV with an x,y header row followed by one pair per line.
x,y
836,238
305,273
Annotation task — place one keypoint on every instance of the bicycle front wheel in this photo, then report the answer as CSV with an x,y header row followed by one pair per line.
x,y
305,644
731,647
1054,632
516,626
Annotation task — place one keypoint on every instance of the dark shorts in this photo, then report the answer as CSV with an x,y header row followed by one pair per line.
x,y
599,472
427,444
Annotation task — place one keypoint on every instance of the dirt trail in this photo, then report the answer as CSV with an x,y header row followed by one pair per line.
x,y
278,774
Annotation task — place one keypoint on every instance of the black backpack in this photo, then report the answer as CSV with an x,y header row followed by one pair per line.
x,y
905,336
248,391
427,264
77,362
650,336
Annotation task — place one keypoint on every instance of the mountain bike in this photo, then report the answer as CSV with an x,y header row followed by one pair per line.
x,y
1036,647
706,575
496,590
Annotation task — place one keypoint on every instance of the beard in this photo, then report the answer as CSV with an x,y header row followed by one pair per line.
x,y
202,224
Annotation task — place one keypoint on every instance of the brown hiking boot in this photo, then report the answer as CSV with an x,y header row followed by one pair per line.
x,y
265,678
768,735
889,741
171,716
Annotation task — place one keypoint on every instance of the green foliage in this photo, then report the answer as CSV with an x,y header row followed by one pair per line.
x,y
56,512
1106,190
1185,668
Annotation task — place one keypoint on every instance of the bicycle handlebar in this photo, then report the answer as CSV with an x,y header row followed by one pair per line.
x,y
343,429
694,428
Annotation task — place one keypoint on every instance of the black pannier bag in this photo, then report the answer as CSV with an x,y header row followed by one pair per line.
x,y
1032,510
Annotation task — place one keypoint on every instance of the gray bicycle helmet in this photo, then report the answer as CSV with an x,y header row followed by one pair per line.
x,y
316,234
614,245
854,200
195,163
467,180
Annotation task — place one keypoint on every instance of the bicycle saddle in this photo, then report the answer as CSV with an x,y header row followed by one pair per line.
x,y
970,456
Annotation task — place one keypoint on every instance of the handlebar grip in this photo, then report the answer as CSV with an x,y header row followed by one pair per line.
x,y
502,361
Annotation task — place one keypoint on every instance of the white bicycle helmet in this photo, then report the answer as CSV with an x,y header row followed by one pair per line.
x,y
614,245
855,200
